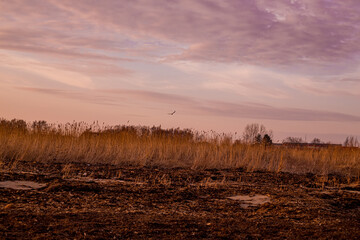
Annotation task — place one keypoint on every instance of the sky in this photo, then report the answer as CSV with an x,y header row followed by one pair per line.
x,y
291,65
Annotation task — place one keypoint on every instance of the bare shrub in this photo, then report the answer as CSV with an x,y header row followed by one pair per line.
x,y
254,133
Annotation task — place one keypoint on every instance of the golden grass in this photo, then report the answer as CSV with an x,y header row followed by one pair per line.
x,y
143,146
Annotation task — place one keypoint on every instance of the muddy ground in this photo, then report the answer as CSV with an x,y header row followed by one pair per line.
x,y
82,201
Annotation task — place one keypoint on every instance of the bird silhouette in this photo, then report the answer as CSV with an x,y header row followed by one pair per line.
x,y
172,113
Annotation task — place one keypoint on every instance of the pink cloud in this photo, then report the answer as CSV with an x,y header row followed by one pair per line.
x,y
57,44
273,113
76,74
199,106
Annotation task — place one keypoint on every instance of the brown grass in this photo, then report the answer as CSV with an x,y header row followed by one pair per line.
x,y
143,146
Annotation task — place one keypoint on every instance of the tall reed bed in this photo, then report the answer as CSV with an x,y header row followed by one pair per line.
x,y
144,146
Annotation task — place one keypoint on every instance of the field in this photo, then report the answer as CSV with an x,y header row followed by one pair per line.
x,y
129,182
144,146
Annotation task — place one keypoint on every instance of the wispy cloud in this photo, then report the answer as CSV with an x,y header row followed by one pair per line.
x,y
248,31
207,57
352,80
273,113
328,86
62,43
151,96
199,106
47,71
90,96
245,80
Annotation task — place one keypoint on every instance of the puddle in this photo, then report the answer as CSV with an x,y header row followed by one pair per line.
x,y
21,185
247,200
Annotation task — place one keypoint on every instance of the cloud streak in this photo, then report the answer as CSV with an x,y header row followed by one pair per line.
x,y
200,106
47,71
56,44
273,113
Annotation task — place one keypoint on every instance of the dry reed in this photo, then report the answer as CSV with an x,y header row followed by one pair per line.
x,y
143,146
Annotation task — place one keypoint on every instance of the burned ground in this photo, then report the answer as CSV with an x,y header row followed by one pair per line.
x,y
85,201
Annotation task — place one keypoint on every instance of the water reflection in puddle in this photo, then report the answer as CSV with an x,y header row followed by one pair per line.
x,y
21,185
247,200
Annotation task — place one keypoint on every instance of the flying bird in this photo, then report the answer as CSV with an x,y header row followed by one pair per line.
x,y
172,113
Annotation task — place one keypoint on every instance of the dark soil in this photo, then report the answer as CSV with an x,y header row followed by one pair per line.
x,y
108,202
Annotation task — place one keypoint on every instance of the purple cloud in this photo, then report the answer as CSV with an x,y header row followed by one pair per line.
x,y
246,31
351,80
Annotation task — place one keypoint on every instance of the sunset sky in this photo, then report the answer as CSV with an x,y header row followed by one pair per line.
x,y
292,65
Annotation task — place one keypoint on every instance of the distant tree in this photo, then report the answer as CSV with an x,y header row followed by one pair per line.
x,y
316,141
351,141
293,140
266,140
254,133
